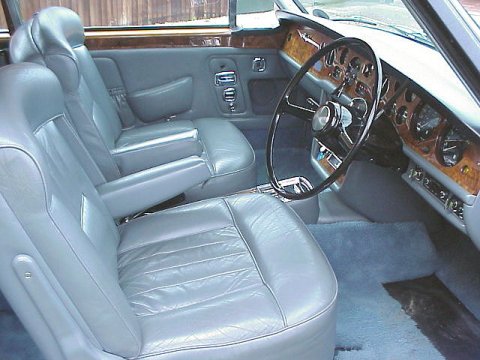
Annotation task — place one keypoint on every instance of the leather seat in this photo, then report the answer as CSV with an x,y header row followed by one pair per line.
x,y
54,37
238,277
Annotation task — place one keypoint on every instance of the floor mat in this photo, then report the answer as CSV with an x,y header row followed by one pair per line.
x,y
449,325
288,162
15,342
372,324
460,267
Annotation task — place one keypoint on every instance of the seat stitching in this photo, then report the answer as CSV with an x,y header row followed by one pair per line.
x,y
256,264
172,252
206,154
170,239
189,281
42,125
133,261
201,301
186,264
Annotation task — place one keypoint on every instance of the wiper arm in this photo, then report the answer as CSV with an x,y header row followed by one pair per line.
x,y
357,19
407,33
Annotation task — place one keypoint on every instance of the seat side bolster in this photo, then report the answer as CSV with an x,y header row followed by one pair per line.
x,y
299,260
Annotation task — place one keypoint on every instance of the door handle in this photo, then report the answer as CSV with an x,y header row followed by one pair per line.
x,y
225,78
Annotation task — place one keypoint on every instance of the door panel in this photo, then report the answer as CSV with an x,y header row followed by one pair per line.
x,y
153,78
163,101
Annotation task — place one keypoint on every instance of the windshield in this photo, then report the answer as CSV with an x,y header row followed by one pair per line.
x,y
388,15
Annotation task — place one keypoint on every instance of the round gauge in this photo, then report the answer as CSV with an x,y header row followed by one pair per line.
x,y
391,110
368,70
343,56
402,115
355,64
409,96
329,58
425,122
451,148
385,86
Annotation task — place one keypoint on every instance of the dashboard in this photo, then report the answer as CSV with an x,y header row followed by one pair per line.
x,y
444,155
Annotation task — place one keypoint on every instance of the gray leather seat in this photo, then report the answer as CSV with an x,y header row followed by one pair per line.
x,y
238,277
55,38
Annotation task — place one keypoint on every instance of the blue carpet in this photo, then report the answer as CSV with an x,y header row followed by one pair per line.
x,y
15,342
371,324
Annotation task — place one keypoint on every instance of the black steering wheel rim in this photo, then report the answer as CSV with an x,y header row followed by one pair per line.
x,y
367,123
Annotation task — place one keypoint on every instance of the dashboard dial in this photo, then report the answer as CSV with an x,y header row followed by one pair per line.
x,y
355,64
330,58
451,148
343,56
402,115
425,122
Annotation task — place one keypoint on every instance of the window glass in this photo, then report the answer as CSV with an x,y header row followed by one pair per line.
x,y
385,15
3,21
473,9
113,13
253,14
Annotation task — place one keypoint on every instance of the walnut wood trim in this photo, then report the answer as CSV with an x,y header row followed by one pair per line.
x,y
301,51
467,172
171,38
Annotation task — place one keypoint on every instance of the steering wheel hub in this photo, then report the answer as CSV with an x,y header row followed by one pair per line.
x,y
322,119
333,123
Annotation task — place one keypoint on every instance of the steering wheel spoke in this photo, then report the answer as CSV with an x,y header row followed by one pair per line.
x,y
298,111
332,123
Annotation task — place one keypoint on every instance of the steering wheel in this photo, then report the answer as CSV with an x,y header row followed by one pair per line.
x,y
333,122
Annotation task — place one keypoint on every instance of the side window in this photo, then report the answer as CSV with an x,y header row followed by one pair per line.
x,y
122,13
3,21
252,14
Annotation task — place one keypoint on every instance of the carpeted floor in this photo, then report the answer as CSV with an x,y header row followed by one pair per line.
x,y
372,324
15,343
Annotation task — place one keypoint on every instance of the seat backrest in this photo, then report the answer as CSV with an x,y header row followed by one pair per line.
x,y
55,37
57,208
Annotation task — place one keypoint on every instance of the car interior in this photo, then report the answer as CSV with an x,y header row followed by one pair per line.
x,y
305,191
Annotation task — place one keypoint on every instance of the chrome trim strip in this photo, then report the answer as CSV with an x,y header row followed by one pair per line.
x,y
190,135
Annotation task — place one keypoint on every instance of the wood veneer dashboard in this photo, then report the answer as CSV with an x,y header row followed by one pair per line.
x,y
405,113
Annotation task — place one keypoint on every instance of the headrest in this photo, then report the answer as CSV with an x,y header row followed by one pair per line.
x,y
22,46
55,29
49,39
30,95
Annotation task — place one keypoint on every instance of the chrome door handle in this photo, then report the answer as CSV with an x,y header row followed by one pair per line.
x,y
225,78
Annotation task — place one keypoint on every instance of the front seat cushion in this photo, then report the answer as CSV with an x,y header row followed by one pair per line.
x,y
226,278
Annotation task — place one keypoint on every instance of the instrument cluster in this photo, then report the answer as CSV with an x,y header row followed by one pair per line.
x,y
424,125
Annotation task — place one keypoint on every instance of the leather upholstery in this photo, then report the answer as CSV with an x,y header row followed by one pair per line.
x,y
59,209
232,273
230,278
55,38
